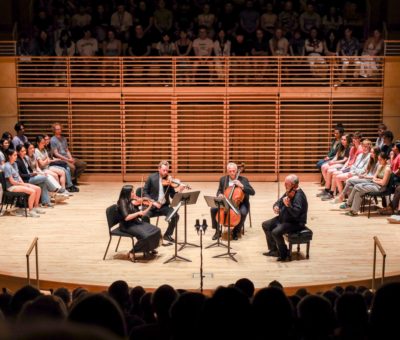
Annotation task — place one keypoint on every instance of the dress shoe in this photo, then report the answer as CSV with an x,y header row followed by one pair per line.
x,y
154,252
273,253
148,255
168,238
217,235
283,259
235,237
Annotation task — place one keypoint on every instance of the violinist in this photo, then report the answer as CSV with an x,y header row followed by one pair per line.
x,y
160,187
291,209
225,183
148,235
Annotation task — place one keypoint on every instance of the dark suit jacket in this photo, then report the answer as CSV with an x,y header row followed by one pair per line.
x,y
24,171
152,188
248,189
296,213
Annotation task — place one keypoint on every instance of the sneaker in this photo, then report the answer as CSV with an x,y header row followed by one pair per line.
x,y
38,211
327,197
33,214
73,189
47,205
394,219
337,200
67,193
60,197
344,206
351,213
322,193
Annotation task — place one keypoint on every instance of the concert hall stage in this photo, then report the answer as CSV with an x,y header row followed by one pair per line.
x,y
73,237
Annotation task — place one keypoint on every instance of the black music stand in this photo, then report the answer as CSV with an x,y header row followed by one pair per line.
x,y
178,200
217,202
187,199
228,206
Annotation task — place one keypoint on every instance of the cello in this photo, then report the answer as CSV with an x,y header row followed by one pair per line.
x,y
236,195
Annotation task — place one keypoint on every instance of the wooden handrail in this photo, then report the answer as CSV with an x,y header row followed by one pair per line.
x,y
377,244
34,245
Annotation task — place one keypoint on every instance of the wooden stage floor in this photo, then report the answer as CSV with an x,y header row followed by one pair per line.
x,y
73,238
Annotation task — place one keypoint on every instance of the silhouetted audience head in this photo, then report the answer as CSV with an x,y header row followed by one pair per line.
x,y
44,307
78,293
100,310
64,294
246,286
5,303
352,316
350,289
302,292
332,296
146,308
21,296
368,297
275,284
161,301
119,291
315,314
294,300
385,311
339,289
186,314
272,306
135,295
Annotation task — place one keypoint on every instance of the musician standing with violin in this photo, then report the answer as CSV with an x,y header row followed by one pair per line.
x,y
159,187
292,210
225,183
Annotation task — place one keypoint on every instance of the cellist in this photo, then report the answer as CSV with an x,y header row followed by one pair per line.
x,y
226,182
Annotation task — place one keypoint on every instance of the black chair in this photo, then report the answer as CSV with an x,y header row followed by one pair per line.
x,y
303,236
251,224
387,192
113,218
12,198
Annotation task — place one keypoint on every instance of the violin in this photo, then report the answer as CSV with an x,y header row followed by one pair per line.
x,y
236,195
174,183
138,201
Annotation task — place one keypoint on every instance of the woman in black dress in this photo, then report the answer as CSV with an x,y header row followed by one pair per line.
x,y
148,235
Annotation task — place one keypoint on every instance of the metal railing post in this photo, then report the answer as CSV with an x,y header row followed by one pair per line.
x,y
34,244
377,244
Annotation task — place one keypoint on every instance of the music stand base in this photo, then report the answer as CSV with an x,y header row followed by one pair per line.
x,y
228,254
217,244
177,257
187,244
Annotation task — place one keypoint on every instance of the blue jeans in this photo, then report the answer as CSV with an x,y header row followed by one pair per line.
x,y
42,182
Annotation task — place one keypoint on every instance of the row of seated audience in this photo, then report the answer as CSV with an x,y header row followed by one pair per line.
x,y
233,312
355,167
44,170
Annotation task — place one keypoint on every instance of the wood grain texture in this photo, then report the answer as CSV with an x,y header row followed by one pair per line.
x,y
73,238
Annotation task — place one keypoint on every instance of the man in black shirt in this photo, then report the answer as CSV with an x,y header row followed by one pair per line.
x,y
292,216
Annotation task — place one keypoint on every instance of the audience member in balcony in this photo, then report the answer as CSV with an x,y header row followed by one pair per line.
x,y
122,22
239,66
379,182
183,48
79,22
387,142
259,48
297,44
228,20
348,48
269,20
139,45
144,17
19,138
373,47
288,20
62,21
278,44
291,210
309,19
331,44
14,183
202,47
249,20
87,46
112,47
59,146
332,21
100,23
183,17
24,45
43,45
222,48
163,19
42,22
207,19
65,47
165,47
314,47
353,17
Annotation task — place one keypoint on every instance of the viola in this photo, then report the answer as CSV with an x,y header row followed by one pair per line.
x,y
174,183
236,195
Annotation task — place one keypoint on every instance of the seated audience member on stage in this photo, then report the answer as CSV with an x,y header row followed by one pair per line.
x,y
379,181
158,188
16,184
59,146
387,142
381,130
148,235
337,133
4,145
226,182
19,138
291,209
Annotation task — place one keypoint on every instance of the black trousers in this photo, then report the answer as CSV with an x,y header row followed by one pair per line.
x,y
274,231
148,236
243,214
165,210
